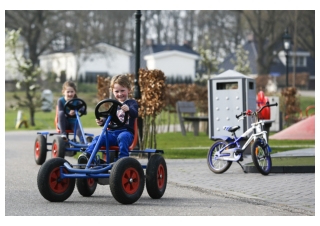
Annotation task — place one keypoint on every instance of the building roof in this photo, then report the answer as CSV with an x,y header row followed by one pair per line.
x,y
276,69
151,48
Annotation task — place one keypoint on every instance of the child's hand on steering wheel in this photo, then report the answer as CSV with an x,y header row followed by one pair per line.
x,y
100,121
125,107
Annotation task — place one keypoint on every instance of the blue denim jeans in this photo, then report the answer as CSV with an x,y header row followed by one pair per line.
x,y
121,138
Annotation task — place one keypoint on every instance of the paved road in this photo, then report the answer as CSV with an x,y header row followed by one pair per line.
x,y
193,190
283,190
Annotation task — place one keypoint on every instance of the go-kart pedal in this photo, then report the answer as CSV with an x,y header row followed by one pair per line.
x,y
64,137
84,158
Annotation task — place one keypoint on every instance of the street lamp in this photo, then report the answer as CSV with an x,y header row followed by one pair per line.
x,y
137,94
286,38
136,80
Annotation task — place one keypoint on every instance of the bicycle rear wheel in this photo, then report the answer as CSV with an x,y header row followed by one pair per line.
x,y
261,157
217,166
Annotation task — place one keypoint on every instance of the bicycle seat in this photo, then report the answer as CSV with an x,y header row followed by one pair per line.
x,y
231,129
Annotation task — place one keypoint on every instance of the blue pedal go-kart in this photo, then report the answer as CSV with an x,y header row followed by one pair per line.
x,y
126,176
59,146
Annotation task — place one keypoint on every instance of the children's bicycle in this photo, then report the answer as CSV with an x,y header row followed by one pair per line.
x,y
228,149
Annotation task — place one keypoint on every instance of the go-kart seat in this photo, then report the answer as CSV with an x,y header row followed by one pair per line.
x,y
131,147
56,123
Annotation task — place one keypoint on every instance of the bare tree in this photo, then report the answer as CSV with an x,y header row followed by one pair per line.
x,y
60,30
39,28
30,74
306,30
267,27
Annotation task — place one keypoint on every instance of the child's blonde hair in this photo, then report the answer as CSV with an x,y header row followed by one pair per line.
x,y
69,84
122,80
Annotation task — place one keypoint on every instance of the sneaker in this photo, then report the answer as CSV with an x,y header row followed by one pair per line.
x,y
102,161
83,158
64,137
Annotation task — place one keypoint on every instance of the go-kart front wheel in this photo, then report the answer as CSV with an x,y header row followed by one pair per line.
x,y
127,180
156,176
50,184
86,186
40,149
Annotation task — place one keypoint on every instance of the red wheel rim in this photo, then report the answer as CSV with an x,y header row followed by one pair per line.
x,y
54,152
130,180
56,184
160,176
37,149
90,182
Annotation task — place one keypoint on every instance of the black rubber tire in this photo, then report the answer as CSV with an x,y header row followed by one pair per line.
x,y
217,166
58,147
261,157
50,185
127,180
40,149
86,186
156,176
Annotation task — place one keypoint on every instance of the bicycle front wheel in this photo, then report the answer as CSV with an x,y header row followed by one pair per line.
x,y
261,157
216,165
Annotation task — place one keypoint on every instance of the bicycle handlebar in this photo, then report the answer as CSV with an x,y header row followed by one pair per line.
x,y
249,112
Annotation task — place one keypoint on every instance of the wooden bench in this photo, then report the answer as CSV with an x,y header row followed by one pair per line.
x,y
186,112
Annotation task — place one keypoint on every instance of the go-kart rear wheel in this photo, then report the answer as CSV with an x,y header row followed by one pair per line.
x,y
50,184
156,176
58,148
86,186
40,149
127,180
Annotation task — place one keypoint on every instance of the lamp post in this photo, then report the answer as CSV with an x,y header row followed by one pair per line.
x,y
286,38
136,80
137,94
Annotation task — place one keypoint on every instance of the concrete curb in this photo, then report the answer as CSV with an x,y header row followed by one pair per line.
x,y
283,169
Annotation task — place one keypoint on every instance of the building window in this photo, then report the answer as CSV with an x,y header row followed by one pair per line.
x,y
301,61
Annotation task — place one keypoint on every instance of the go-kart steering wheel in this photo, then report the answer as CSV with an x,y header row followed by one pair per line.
x,y
112,111
75,104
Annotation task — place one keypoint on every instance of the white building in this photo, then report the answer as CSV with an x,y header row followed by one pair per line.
x,y
102,59
172,62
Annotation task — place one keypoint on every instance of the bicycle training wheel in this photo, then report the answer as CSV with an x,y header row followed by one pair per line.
x,y
261,157
217,166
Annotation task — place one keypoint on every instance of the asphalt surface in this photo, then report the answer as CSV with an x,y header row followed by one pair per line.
x,y
294,191
289,190
192,190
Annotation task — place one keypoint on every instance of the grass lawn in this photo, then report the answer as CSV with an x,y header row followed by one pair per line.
x,y
175,145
